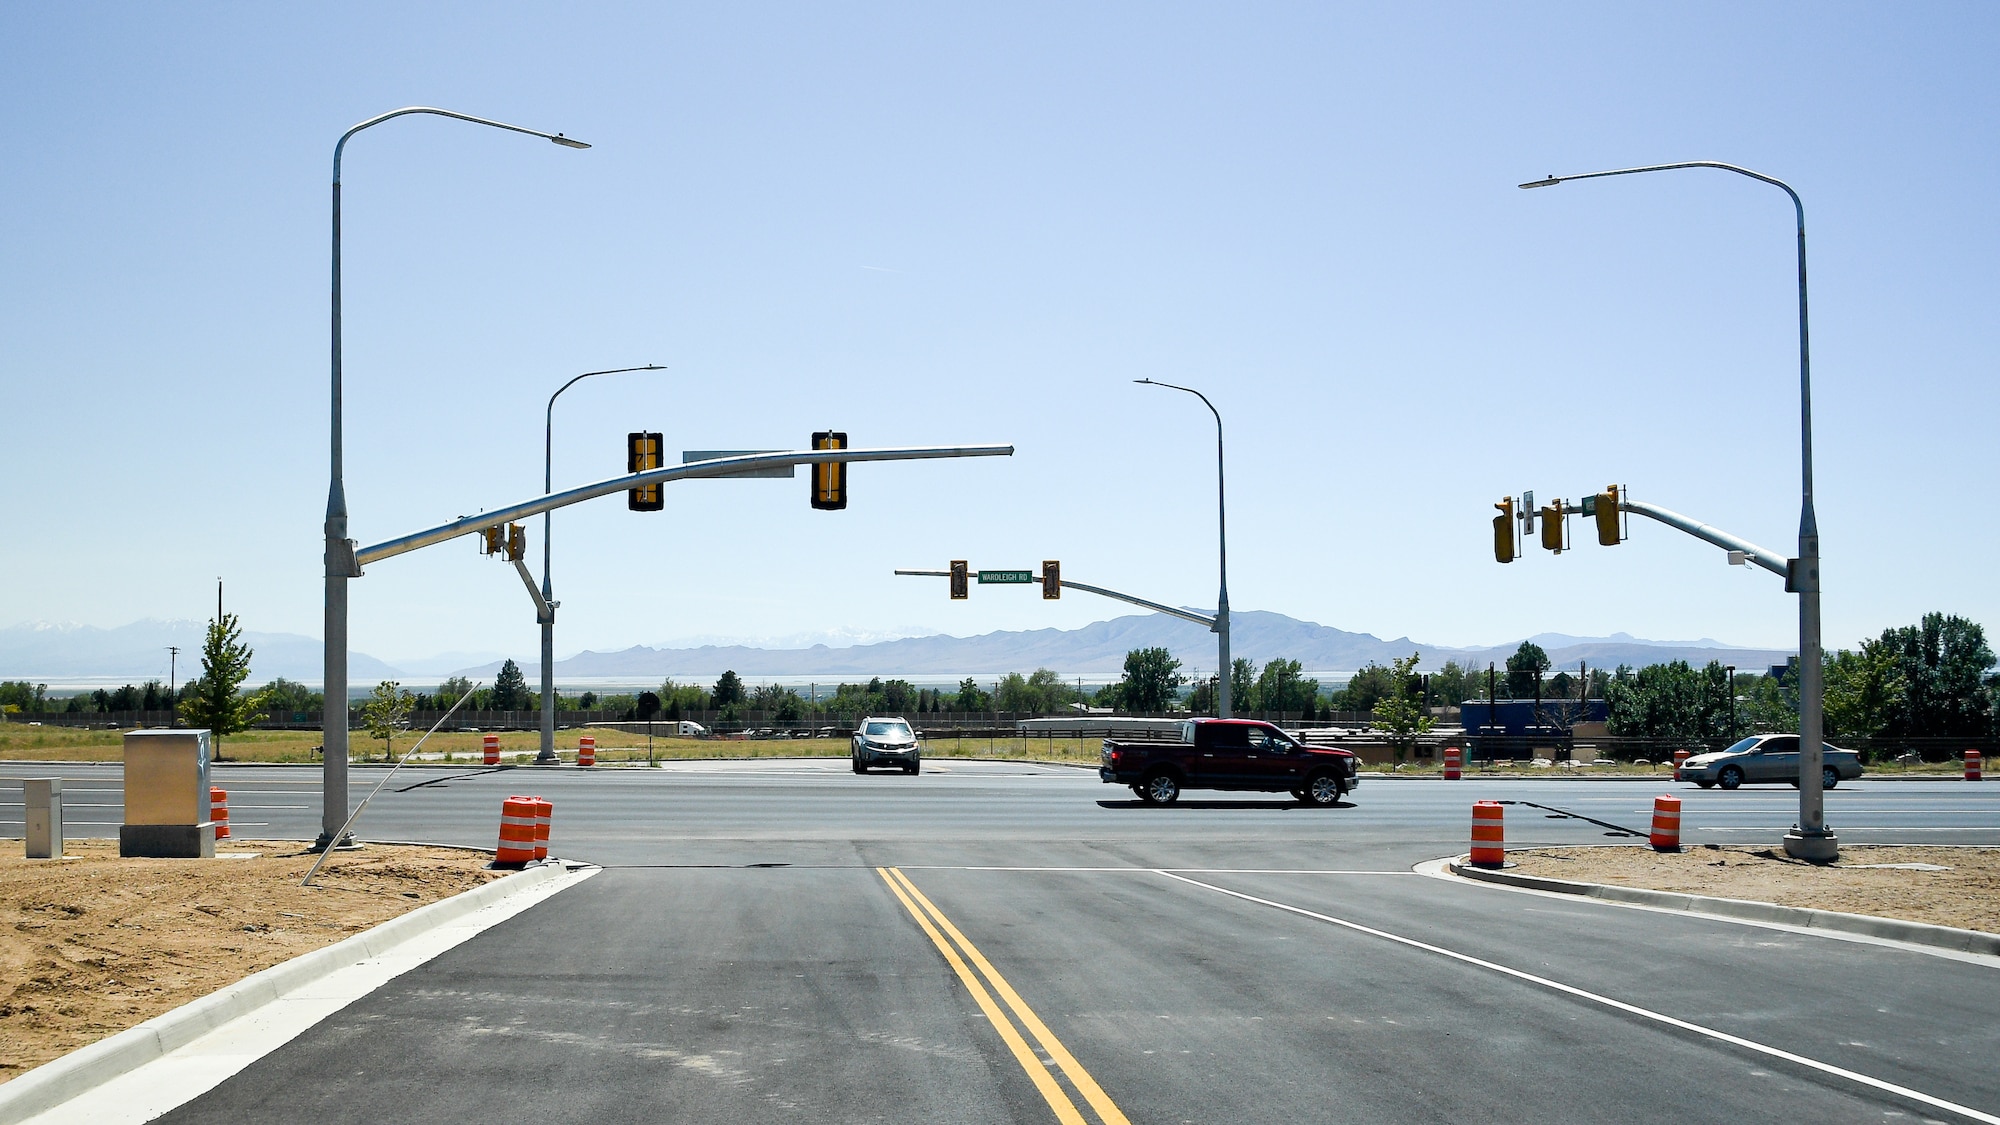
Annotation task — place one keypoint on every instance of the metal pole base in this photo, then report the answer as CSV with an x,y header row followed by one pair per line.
x,y
547,758
346,843
1821,847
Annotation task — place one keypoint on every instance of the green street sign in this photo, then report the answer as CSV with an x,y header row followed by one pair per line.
x,y
1015,577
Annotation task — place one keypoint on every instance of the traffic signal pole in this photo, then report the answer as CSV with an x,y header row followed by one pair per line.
x,y
350,561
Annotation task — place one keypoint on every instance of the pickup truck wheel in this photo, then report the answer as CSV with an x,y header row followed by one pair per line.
x,y
1160,789
1323,789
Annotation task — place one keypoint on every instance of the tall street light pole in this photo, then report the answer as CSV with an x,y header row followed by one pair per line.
x,y
340,561
1222,554
547,616
1810,839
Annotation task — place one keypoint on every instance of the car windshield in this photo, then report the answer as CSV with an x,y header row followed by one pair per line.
x,y
1741,746
886,730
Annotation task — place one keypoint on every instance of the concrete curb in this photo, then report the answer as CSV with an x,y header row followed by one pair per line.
x,y
1916,933
85,1068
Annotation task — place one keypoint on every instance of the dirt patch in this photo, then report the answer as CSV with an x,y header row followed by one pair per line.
x,y
1942,886
93,945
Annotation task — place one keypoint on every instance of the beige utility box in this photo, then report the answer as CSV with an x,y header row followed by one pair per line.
x,y
166,796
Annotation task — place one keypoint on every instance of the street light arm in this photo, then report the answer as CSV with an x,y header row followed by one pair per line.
x,y
341,144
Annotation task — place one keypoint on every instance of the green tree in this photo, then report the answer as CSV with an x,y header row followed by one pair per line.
x,y
1673,702
1453,684
451,691
1282,687
1943,662
970,698
215,701
1152,680
1365,688
1863,691
510,688
728,690
1525,669
1243,686
1401,715
386,712
20,695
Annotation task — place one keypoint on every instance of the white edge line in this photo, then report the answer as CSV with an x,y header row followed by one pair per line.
x,y
1617,1005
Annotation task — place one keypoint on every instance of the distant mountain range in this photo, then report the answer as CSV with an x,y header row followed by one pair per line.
x,y
85,654
1098,650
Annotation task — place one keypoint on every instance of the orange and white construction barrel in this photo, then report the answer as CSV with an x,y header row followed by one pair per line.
x,y
1972,765
586,750
543,811
218,811
1454,759
1680,759
517,832
1489,834
1666,824
491,744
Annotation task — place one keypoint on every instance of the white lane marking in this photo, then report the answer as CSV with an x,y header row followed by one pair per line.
x,y
1617,1005
1843,828
1191,870
182,1075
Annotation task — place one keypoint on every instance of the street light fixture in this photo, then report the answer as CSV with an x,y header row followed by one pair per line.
x,y
1221,626
547,616
1810,839
340,562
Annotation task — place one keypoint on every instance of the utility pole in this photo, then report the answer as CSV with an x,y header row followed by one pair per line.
x,y
173,660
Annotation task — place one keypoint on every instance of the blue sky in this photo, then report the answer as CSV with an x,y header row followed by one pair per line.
x,y
926,224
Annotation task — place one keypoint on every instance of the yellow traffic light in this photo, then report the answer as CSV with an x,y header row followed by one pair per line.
x,y
829,478
490,542
1503,531
642,453
959,587
1553,527
1051,579
1604,506
517,542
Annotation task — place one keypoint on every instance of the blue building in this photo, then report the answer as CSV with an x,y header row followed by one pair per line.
x,y
1517,717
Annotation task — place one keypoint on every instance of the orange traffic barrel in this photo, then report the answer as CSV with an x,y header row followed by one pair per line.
x,y
1972,765
586,751
218,811
1453,758
517,832
1680,759
543,809
1489,834
1666,824
491,744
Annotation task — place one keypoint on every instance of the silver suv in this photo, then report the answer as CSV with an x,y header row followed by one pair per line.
x,y
880,741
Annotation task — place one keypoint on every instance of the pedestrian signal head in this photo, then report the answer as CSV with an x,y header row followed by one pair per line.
x,y
1604,507
960,589
829,478
1051,579
1553,527
1503,531
642,453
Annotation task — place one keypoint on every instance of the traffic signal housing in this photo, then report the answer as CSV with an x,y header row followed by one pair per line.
x,y
492,540
642,453
829,478
1503,531
1051,579
960,587
1604,507
517,542
1553,527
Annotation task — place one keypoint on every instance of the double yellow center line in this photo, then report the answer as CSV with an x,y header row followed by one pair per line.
x,y
957,952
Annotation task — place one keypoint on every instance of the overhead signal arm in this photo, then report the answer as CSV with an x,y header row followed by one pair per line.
x,y
1206,621
1741,551
1604,509
718,467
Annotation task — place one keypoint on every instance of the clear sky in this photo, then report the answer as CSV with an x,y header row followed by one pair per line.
x,y
942,224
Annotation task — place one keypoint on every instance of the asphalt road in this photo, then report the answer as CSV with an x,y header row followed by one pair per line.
x,y
1006,942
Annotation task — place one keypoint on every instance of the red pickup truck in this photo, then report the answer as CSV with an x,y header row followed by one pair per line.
x,y
1241,754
